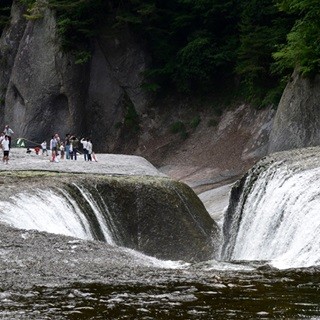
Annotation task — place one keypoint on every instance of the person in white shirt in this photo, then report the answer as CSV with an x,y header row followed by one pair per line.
x,y
44,148
89,149
85,148
62,150
8,132
6,148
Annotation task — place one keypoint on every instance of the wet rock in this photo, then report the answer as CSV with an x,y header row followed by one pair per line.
x,y
148,211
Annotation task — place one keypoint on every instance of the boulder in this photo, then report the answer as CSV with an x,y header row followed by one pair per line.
x,y
297,120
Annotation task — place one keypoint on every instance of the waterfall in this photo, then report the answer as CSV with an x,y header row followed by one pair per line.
x,y
277,218
54,211
99,214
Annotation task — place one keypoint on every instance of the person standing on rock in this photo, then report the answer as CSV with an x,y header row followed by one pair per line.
x,y
92,154
89,149
8,132
44,148
75,147
67,146
5,144
84,143
62,151
53,148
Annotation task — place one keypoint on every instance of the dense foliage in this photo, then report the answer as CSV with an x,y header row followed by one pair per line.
x,y
303,47
202,44
5,6
78,21
246,46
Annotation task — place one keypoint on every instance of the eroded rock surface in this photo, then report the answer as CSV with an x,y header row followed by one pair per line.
x,y
148,211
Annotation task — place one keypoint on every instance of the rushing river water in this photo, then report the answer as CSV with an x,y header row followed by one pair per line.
x,y
269,266
176,294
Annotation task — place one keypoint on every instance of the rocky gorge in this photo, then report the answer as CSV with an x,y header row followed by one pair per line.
x,y
122,187
161,258
44,91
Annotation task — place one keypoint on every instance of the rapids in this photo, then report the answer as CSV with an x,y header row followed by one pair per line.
x,y
275,214
58,261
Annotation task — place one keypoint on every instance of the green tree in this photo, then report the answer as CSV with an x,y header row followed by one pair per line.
x,y
262,29
78,21
302,50
200,45
5,7
192,42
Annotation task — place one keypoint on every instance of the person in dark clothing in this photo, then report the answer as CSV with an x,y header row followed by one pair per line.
x,y
75,147
67,146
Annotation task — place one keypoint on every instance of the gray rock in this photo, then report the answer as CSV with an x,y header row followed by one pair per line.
x,y
297,121
9,44
47,92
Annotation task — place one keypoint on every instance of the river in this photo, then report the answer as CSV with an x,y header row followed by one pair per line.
x,y
268,268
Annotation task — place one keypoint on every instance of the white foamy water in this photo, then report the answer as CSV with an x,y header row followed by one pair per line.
x,y
98,213
280,221
155,262
46,210
57,212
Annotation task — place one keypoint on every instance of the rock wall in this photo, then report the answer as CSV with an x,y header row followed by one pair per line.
x,y
43,91
297,121
9,44
116,76
46,92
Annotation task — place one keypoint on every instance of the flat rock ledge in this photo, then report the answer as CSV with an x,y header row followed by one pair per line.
x,y
109,164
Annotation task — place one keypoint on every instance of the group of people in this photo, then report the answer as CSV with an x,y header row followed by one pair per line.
x,y
5,142
69,148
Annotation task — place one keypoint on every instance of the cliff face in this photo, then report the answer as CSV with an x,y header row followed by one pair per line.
x,y
297,121
46,92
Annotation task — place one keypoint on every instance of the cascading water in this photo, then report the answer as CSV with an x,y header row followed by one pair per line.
x,y
107,234
53,211
272,216
277,218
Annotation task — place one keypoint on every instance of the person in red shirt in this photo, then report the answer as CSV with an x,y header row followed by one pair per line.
x,y
37,149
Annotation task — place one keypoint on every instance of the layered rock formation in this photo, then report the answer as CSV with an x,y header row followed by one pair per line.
x,y
153,215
